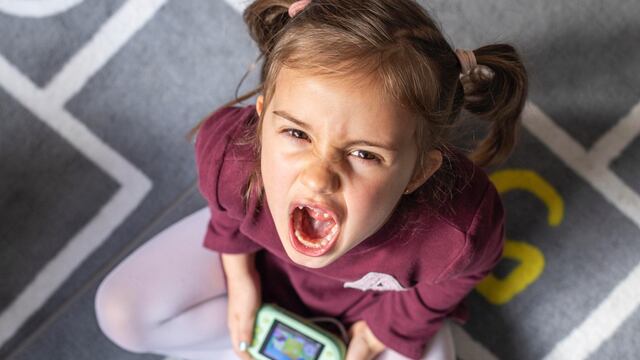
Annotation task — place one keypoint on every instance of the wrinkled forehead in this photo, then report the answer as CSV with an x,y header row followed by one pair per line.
x,y
356,105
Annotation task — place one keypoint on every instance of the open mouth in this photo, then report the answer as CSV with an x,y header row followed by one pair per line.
x,y
313,229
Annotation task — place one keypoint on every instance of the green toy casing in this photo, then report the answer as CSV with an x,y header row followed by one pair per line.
x,y
334,348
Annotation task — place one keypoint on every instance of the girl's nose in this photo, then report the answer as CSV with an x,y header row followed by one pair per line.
x,y
320,178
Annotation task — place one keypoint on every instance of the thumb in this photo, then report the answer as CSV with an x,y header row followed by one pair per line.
x,y
246,331
247,326
245,336
358,349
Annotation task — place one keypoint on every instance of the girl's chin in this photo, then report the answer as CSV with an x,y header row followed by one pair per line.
x,y
303,259
311,262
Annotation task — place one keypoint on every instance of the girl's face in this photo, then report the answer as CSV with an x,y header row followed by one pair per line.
x,y
336,157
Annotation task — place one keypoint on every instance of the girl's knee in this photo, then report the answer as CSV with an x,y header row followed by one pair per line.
x,y
119,318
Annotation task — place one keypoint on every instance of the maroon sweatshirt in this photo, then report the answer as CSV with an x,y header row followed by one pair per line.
x,y
403,280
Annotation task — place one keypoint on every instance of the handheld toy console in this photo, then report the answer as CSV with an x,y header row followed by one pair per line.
x,y
282,335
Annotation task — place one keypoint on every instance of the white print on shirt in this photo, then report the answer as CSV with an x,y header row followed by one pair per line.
x,y
376,281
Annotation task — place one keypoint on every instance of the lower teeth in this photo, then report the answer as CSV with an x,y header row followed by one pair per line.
x,y
315,245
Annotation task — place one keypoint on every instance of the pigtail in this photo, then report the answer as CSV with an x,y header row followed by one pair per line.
x,y
497,93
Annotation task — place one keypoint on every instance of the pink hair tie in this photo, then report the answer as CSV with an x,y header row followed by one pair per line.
x,y
297,6
467,60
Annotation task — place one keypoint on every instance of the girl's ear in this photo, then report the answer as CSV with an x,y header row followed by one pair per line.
x,y
259,104
433,161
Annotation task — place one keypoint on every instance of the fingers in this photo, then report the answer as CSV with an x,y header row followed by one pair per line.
x,y
241,325
243,304
358,350
241,349
363,344
241,329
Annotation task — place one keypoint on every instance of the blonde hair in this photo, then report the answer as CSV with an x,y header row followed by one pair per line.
x,y
400,47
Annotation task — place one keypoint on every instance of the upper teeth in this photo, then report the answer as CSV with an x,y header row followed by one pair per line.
x,y
324,214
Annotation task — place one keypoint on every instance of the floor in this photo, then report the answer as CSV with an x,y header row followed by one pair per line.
x,y
96,95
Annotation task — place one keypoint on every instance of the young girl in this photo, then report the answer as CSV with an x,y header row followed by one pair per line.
x,y
337,195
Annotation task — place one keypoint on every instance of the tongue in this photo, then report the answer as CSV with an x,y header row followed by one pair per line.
x,y
313,227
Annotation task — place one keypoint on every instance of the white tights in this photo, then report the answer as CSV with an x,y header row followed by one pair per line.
x,y
168,297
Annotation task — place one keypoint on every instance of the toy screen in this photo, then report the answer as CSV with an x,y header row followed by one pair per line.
x,y
284,343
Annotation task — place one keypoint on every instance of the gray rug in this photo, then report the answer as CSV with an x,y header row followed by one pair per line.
x,y
95,97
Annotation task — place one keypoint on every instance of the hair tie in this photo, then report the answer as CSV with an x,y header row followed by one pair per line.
x,y
468,63
297,6
467,59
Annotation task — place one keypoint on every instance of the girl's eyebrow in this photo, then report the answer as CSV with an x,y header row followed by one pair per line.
x,y
306,126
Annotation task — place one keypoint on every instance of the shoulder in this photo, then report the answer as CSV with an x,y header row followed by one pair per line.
x,y
471,220
219,128
223,157
471,187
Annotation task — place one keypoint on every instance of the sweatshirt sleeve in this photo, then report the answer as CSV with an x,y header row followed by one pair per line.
x,y
406,321
223,229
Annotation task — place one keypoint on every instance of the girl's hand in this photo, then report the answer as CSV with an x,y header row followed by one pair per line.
x,y
244,299
363,345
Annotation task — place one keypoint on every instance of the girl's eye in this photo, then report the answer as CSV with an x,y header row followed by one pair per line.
x,y
365,155
298,134
360,154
